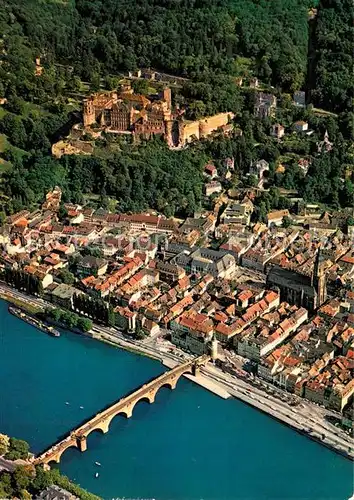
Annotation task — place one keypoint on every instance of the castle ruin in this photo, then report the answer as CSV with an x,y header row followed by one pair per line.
x,y
126,112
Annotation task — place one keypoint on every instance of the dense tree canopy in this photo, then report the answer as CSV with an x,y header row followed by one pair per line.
x,y
210,41
333,85
185,37
275,34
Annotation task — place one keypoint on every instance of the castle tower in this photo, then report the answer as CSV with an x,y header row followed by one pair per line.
x,y
88,112
319,279
167,97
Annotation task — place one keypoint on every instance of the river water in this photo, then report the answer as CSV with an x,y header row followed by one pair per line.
x,y
188,445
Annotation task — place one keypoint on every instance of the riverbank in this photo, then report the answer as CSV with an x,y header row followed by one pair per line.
x,y
16,301
176,447
289,416
278,410
33,321
50,477
312,428
201,380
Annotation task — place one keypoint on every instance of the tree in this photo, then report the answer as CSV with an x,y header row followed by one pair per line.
x,y
84,324
41,480
111,321
4,444
63,213
140,334
21,478
6,484
286,222
196,110
95,82
141,86
76,84
252,181
66,276
15,105
53,313
18,449
111,83
262,212
13,127
331,82
25,495
94,251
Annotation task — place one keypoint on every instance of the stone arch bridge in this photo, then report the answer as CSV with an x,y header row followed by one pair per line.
x,y
101,421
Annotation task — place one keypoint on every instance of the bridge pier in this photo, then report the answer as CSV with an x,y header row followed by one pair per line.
x,y
82,443
195,369
102,420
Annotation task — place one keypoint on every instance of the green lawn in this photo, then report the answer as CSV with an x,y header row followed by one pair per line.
x,y
4,166
243,66
324,112
288,157
3,142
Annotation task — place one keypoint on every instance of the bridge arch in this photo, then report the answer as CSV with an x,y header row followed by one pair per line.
x,y
101,428
57,456
72,445
105,425
148,398
127,414
52,461
171,384
125,406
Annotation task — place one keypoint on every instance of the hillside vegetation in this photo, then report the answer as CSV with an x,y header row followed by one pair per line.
x,y
85,44
189,37
333,85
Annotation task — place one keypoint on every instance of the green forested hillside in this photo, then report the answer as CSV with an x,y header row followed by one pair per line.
x,y
333,83
209,41
188,37
275,34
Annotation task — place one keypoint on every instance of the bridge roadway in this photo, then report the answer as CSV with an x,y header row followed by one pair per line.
x,y
101,421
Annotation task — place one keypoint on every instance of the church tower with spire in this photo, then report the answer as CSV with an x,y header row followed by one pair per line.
x,y
319,278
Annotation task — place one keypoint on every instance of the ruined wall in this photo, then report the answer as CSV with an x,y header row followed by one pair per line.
x,y
211,123
190,129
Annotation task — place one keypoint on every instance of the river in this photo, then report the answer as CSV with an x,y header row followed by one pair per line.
x,y
188,445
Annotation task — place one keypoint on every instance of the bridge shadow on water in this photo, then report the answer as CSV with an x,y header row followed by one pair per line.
x,y
120,424
141,409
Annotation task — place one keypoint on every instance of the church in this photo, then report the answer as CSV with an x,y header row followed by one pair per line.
x,y
295,288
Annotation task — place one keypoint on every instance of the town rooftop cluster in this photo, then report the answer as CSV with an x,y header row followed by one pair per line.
x,y
281,297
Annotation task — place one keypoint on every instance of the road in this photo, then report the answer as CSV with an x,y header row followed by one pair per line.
x,y
306,417
7,465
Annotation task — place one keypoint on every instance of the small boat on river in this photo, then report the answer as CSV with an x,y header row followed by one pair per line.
x,y
33,321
